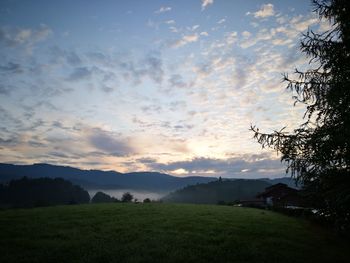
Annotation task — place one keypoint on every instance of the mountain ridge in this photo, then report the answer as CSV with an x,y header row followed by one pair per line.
x,y
98,179
93,179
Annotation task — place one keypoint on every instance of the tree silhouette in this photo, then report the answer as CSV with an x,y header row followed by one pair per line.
x,y
101,197
127,197
318,151
30,192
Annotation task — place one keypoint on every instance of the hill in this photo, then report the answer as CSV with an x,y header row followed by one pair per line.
x,y
96,179
162,233
217,191
28,192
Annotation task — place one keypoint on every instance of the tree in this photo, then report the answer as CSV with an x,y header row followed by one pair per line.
x,y
146,200
101,197
317,152
30,192
127,197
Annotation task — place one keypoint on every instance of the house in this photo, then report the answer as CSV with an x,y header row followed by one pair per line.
x,y
280,195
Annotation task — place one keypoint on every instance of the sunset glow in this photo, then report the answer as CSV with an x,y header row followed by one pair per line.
x,y
168,86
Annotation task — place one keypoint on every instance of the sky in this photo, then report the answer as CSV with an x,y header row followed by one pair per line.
x,y
168,86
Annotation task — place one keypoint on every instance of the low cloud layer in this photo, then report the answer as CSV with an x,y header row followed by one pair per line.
x,y
257,166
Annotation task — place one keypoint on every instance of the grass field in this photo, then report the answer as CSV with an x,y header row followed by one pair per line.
x,y
162,233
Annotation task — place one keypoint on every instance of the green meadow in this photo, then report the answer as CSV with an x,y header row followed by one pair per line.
x,y
127,232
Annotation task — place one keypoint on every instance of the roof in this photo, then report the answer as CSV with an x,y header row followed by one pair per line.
x,y
277,190
276,186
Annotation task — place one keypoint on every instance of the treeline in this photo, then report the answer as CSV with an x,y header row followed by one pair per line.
x,y
218,192
101,197
36,192
28,192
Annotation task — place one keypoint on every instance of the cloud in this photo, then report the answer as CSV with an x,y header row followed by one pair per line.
x,y
231,37
150,66
190,38
106,88
13,141
182,127
221,21
80,74
206,3
245,166
286,33
266,10
11,67
173,29
154,67
178,145
170,22
163,9
203,70
151,108
99,57
301,23
176,81
146,160
193,28
246,34
110,143
5,89
8,120
59,154
16,36
36,144
177,105
70,57
185,40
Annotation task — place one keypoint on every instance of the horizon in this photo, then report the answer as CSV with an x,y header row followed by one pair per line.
x,y
158,172
162,86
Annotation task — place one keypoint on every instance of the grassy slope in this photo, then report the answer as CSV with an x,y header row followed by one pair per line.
x,y
161,233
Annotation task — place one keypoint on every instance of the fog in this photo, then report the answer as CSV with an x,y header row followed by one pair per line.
x,y
139,195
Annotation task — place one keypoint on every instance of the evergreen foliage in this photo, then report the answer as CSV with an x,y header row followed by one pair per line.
x,y
101,197
317,153
27,192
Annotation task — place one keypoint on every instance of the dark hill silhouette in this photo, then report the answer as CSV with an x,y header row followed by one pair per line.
x,y
29,192
218,191
101,197
95,179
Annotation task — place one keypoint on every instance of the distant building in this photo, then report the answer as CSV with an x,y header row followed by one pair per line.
x,y
280,195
